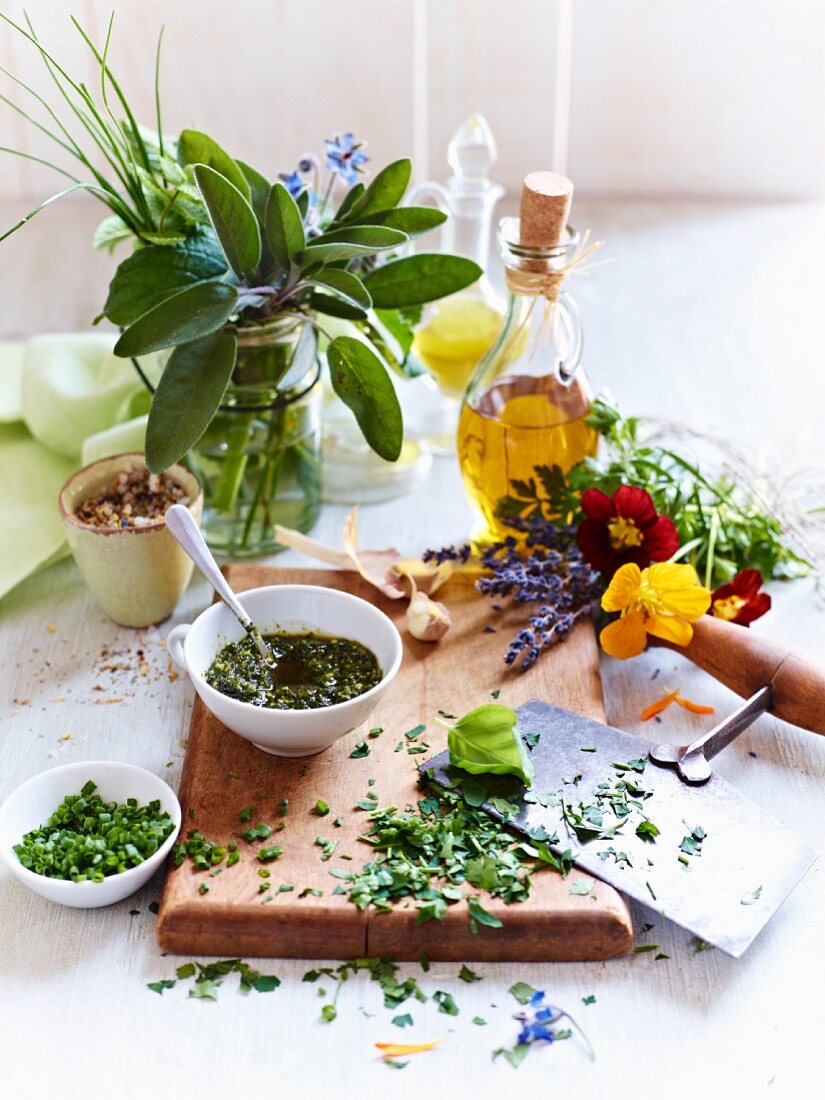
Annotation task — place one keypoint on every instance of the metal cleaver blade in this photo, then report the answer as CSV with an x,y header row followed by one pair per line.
x,y
748,864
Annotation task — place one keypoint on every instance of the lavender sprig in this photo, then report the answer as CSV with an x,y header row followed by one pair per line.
x,y
554,574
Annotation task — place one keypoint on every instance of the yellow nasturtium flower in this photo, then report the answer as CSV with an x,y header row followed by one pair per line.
x,y
662,600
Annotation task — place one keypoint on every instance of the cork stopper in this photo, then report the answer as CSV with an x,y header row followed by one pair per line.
x,y
545,208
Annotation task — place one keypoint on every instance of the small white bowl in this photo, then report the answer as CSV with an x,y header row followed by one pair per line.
x,y
33,802
289,607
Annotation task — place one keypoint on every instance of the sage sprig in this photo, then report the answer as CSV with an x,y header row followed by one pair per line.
x,y
218,249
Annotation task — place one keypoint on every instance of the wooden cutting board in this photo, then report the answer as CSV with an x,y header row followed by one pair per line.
x,y
222,774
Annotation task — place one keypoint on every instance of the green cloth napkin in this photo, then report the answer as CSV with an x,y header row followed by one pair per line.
x,y
30,478
61,396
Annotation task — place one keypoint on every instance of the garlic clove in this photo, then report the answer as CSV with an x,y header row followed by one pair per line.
x,y
427,619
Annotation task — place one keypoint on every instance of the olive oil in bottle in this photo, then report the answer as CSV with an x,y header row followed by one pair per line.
x,y
527,403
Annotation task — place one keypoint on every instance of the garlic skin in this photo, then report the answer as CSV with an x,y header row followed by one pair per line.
x,y
427,619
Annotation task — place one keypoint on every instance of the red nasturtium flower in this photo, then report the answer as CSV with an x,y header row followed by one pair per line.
x,y
740,601
624,528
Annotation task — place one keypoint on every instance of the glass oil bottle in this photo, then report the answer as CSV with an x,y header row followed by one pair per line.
x,y
528,400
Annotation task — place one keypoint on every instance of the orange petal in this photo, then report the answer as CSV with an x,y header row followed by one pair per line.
x,y
623,588
694,708
660,704
670,629
399,1050
625,637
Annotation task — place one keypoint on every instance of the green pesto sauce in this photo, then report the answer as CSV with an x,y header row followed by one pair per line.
x,y
312,670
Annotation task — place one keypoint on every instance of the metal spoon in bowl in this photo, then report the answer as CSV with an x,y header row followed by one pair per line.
x,y
182,526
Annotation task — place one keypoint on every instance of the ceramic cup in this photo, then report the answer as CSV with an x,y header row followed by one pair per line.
x,y
136,574
289,607
33,802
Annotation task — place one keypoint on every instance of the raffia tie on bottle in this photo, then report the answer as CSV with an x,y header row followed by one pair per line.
x,y
547,285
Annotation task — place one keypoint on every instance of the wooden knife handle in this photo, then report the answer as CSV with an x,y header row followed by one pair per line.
x,y
745,661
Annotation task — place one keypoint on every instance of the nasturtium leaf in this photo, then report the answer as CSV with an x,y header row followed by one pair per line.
x,y
151,275
344,284
486,740
423,277
386,190
195,147
197,311
361,381
412,220
233,219
194,381
284,227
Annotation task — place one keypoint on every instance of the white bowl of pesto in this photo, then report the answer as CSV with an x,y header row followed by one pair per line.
x,y
31,805
342,625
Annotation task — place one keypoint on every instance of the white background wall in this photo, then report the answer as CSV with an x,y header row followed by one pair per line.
x,y
700,97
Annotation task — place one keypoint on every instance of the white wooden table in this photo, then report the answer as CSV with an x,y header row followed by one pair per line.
x,y
710,314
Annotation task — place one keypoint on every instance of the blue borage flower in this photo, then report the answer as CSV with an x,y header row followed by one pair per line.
x,y
539,1020
345,157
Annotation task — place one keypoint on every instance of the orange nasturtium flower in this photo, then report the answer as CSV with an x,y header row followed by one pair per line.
x,y
664,701
662,600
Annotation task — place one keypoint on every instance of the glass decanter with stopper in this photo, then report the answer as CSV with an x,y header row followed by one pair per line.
x,y
456,332
527,402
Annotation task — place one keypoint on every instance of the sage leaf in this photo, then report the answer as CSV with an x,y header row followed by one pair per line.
x,y
412,220
233,219
151,275
197,148
189,392
486,740
188,315
358,240
361,381
350,199
283,226
421,278
336,307
386,190
345,285
258,187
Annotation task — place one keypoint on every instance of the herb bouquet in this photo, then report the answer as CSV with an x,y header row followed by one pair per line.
x,y
231,276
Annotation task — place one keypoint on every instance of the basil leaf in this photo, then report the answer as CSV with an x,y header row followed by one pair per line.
x,y
361,381
283,226
197,148
188,315
345,285
412,220
385,191
151,275
486,740
233,219
421,278
194,380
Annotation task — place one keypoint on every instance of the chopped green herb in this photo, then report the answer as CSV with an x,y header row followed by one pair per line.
x,y
398,748
153,907
203,888
646,830
643,948
376,731
266,855
414,750
468,975
480,1021
582,886
590,999
285,888
403,1021
637,765
531,740
205,990
264,872
328,1013
424,962
588,748
445,1002
661,955
257,832
283,806
416,731
394,1063
232,858
321,808
245,814
338,822
311,891
327,848
361,750
158,987
495,694
522,992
